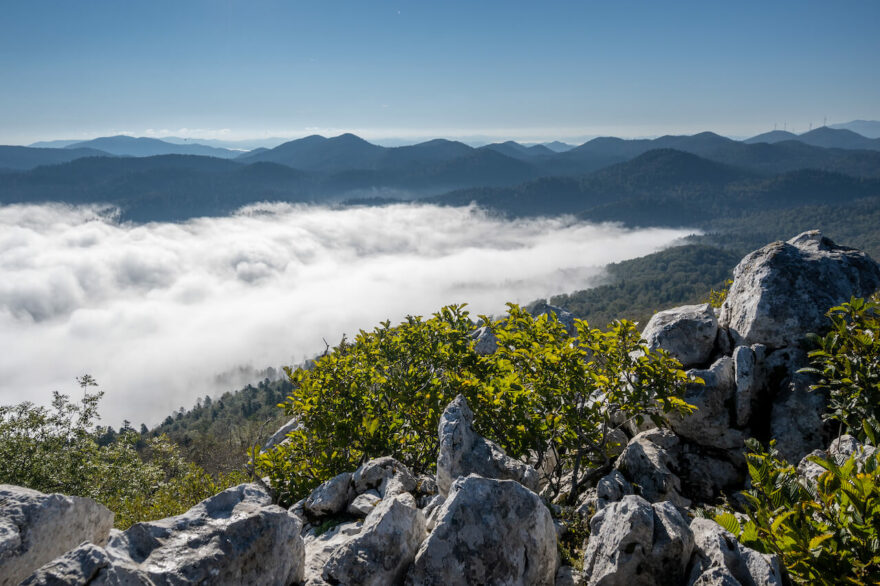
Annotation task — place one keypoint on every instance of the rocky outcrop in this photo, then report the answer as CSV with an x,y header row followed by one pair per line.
x,y
383,549
488,532
280,435
635,542
564,316
782,291
648,460
688,333
234,537
710,424
386,475
35,528
331,497
720,559
463,452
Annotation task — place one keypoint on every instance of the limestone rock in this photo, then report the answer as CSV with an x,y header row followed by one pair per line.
x,y
35,528
386,475
796,412
565,317
719,557
648,461
709,425
331,497
568,576
485,341
280,434
463,452
235,537
319,548
488,532
611,488
634,542
385,547
687,332
746,383
87,564
363,504
782,291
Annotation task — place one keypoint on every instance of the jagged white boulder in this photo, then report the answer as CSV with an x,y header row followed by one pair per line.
x,y
280,435
488,532
648,461
485,341
720,559
463,452
687,332
563,316
320,547
386,475
363,504
235,537
839,450
635,542
383,549
782,291
331,497
35,528
710,424
87,564
796,411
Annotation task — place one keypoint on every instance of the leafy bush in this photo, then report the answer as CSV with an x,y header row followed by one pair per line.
x,y
848,365
824,533
384,393
56,449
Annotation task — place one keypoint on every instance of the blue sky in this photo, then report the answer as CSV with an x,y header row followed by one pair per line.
x,y
522,70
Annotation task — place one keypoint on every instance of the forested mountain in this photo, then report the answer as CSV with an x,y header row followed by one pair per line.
x,y
669,180
17,158
667,187
130,146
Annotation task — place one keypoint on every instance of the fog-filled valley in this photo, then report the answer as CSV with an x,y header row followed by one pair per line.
x,y
155,311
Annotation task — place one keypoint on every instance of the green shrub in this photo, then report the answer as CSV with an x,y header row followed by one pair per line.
x,y
847,363
384,392
56,449
825,533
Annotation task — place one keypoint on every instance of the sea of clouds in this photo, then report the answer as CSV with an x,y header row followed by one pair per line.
x,y
155,312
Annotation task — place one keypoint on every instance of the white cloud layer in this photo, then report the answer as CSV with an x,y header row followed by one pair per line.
x,y
154,312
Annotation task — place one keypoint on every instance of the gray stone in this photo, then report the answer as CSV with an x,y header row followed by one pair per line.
x,y
488,532
485,342
363,504
280,435
611,488
688,333
796,412
35,528
568,576
565,317
463,452
386,475
718,557
648,461
87,564
235,537
709,425
635,542
782,291
319,548
385,547
746,383
331,497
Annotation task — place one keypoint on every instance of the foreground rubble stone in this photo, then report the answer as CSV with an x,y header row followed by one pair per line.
x,y
36,528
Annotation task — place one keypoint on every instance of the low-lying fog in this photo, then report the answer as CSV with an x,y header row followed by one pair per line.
x,y
154,312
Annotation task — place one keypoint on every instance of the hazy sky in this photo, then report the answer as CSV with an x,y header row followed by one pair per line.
x,y
527,70
156,311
